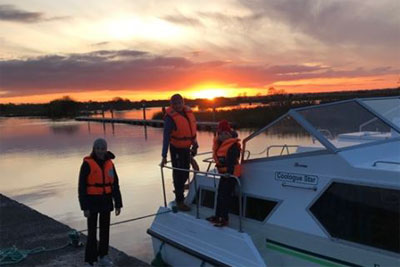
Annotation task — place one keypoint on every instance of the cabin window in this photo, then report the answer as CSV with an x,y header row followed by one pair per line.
x,y
362,214
258,209
207,198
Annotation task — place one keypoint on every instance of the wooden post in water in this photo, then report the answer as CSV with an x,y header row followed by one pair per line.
x,y
112,122
214,110
144,109
144,118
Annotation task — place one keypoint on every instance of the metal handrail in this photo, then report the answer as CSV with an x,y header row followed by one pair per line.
x,y
248,154
385,161
330,135
283,148
195,184
210,161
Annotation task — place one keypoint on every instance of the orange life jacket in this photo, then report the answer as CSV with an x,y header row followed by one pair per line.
x,y
99,181
185,133
220,155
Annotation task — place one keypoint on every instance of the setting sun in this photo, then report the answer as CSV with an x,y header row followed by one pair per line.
x,y
209,93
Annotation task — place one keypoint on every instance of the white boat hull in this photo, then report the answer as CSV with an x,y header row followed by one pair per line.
x,y
193,242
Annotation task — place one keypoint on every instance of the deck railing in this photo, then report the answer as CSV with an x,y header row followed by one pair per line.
x,y
206,174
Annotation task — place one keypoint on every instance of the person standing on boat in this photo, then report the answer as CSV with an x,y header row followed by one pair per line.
x,y
98,189
180,136
226,153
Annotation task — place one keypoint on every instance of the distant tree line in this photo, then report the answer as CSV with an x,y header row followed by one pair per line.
x,y
66,107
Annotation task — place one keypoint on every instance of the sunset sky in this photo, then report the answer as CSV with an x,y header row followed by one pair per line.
x,y
143,49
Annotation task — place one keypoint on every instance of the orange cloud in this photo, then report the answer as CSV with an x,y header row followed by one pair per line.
x,y
102,75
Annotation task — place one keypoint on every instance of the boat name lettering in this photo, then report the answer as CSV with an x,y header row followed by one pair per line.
x,y
296,178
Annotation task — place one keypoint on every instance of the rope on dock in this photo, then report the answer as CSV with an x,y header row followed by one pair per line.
x,y
14,255
135,219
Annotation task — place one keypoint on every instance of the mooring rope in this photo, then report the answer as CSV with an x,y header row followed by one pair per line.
x,y
13,255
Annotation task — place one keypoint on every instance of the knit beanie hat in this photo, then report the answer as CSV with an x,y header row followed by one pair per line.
x,y
176,98
223,126
100,142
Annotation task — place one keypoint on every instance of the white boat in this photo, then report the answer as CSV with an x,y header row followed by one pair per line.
x,y
320,186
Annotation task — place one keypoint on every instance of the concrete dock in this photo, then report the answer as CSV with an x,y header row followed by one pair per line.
x,y
26,229
201,125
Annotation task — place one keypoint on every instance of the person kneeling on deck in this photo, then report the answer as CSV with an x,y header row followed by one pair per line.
x,y
180,136
226,153
98,187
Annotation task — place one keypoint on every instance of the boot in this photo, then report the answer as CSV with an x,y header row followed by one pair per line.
x,y
221,222
212,219
182,206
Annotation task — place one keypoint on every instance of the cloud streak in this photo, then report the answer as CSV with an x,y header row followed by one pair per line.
x,y
13,14
141,71
183,20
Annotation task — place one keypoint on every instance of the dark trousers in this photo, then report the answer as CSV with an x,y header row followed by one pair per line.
x,y
224,198
92,250
180,158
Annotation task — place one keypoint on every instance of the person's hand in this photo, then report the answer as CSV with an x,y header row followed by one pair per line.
x,y
117,211
163,162
86,213
193,151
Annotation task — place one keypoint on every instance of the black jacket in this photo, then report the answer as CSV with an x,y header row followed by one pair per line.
x,y
98,203
232,157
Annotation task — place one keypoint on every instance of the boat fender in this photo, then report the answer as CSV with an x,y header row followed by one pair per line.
x,y
158,260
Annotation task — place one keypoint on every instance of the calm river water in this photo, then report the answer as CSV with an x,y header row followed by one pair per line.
x,y
40,161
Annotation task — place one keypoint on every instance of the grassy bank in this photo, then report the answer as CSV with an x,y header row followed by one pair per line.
x,y
277,105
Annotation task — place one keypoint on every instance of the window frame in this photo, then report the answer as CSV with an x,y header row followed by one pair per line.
x,y
344,241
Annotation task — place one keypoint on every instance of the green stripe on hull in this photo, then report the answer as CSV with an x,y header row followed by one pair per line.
x,y
320,261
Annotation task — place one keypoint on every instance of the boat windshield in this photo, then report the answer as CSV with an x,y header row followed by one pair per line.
x,y
330,126
388,108
284,137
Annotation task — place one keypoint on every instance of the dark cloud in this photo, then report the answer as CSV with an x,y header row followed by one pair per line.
x,y
100,43
11,13
367,22
140,71
183,20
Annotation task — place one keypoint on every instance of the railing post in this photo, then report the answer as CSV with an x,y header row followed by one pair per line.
x,y
163,186
197,196
240,204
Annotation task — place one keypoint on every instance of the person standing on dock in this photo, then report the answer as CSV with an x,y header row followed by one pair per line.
x,y
98,189
180,136
226,154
